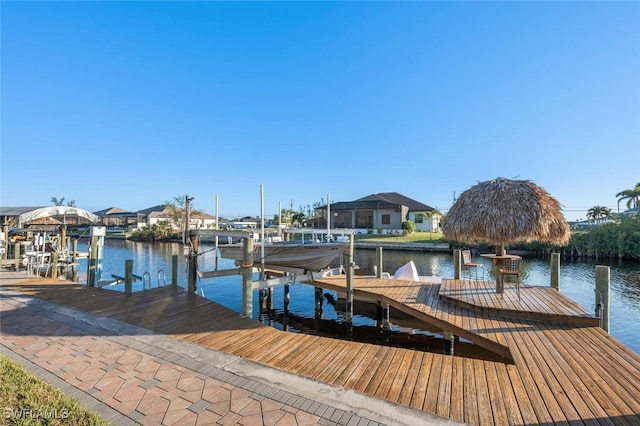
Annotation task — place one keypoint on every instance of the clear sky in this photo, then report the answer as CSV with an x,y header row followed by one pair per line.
x,y
130,104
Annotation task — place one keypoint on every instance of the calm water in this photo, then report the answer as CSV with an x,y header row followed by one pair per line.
x,y
577,281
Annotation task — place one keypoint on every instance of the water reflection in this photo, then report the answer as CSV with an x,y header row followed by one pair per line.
x,y
577,281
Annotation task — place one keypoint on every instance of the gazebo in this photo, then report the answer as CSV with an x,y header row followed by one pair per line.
x,y
502,211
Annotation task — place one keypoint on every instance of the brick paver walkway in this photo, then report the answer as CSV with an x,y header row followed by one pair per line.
x,y
131,376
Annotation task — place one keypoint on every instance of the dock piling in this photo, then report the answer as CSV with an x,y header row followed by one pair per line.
x,y
349,261
128,276
247,277
174,270
555,271
603,291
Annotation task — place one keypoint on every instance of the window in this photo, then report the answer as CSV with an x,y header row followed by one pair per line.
x,y
386,219
419,218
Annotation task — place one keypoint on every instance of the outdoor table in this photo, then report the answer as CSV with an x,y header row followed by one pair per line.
x,y
497,260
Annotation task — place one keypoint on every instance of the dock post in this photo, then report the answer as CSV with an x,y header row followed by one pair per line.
x,y
349,261
457,264
379,258
386,324
16,254
62,242
603,290
192,264
174,270
74,257
448,342
54,265
247,277
555,271
92,262
128,276
287,299
318,308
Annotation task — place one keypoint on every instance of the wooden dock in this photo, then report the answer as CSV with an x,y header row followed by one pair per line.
x,y
558,368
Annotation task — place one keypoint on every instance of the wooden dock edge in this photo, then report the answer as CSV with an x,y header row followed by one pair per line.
x,y
534,316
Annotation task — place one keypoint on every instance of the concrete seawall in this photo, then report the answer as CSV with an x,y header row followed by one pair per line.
x,y
440,247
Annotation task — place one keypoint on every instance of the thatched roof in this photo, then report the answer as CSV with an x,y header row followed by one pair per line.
x,y
503,211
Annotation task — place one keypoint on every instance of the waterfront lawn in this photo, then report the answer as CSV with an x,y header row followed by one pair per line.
x,y
415,237
28,400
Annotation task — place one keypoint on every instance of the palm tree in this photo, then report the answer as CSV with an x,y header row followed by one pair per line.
x,y
631,195
598,214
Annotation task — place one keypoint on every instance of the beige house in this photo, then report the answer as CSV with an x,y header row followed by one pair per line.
x,y
167,213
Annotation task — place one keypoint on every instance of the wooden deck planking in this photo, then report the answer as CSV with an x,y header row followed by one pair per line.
x,y
470,403
485,414
358,362
552,380
535,302
269,351
443,404
542,364
456,411
579,375
546,406
613,380
512,405
401,392
337,366
362,368
362,382
496,395
422,381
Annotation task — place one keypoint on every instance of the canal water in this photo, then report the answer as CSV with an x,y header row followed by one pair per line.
x,y
577,281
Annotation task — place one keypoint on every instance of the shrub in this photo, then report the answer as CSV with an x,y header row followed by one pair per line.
x,y
408,227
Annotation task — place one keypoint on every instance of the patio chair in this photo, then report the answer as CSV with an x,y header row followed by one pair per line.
x,y
468,266
511,267
41,262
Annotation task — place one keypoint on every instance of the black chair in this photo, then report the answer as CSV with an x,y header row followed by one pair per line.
x,y
511,267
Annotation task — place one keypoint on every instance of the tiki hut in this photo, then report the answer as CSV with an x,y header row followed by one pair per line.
x,y
503,211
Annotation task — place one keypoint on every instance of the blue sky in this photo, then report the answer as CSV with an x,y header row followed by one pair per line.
x,y
130,104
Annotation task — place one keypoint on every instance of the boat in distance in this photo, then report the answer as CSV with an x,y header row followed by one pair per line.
x,y
308,256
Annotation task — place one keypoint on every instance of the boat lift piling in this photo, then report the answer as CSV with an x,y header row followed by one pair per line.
x,y
247,277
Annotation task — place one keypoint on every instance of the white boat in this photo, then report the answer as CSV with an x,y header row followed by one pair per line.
x,y
307,256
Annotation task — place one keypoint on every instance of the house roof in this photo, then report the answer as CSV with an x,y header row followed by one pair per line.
x,y
381,201
161,211
112,211
398,199
158,208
